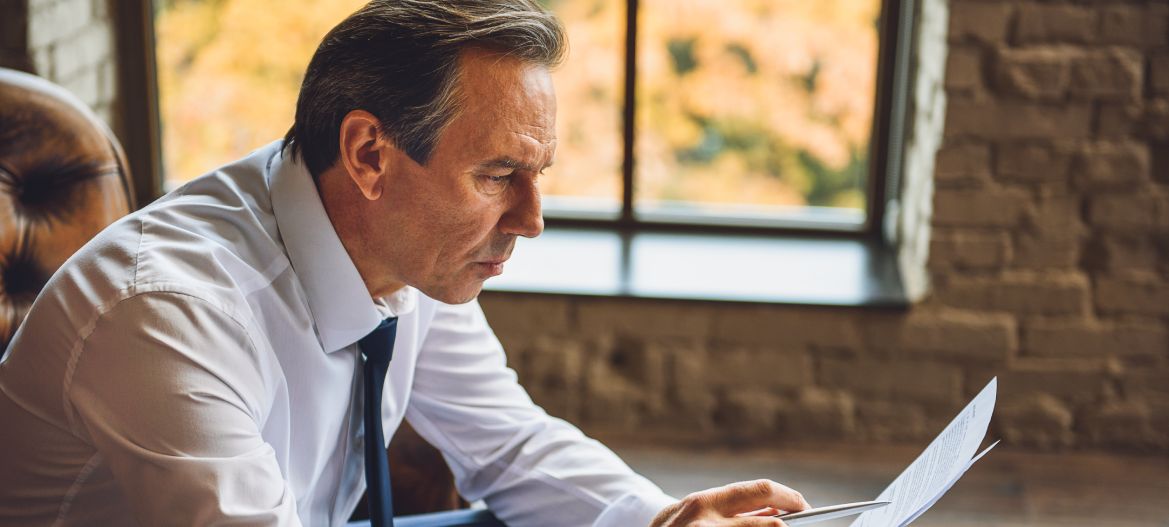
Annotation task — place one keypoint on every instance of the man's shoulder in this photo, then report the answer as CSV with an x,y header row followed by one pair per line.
x,y
242,183
215,234
217,229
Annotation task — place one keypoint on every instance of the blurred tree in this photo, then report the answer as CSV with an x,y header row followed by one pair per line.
x,y
229,72
739,102
755,102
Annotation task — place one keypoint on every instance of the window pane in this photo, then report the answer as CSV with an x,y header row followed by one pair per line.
x,y
229,72
758,109
218,103
589,93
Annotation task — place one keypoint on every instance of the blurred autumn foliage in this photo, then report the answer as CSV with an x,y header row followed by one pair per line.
x,y
748,104
229,72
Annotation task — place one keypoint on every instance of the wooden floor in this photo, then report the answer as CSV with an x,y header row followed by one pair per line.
x,y
1006,488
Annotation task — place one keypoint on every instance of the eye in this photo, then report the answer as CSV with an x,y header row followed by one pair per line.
x,y
495,183
497,179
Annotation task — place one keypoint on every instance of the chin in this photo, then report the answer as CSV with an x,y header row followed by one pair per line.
x,y
456,295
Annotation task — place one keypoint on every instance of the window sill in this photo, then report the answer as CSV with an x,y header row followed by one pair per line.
x,y
707,267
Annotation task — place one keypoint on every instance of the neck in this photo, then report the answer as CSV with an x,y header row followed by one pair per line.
x,y
343,204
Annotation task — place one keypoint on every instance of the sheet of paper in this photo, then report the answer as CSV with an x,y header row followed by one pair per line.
x,y
931,503
938,468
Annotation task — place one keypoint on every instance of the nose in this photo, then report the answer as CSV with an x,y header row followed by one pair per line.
x,y
524,216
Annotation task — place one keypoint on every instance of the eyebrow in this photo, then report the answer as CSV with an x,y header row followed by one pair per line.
x,y
510,163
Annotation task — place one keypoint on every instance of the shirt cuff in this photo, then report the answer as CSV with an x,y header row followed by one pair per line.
x,y
634,510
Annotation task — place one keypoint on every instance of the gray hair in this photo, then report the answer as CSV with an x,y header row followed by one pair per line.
x,y
398,60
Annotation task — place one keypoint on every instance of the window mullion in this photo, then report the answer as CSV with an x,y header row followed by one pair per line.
x,y
630,113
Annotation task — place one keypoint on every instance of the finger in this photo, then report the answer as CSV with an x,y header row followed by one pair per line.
x,y
765,511
757,521
754,495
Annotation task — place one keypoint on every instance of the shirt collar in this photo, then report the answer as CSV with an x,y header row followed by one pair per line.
x,y
337,296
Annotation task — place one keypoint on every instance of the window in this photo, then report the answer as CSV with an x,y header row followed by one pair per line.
x,y
228,75
754,140
746,113
737,112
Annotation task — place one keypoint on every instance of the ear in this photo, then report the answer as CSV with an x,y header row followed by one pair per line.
x,y
365,154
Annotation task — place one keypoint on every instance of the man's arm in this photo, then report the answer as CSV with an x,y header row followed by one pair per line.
x,y
169,390
532,469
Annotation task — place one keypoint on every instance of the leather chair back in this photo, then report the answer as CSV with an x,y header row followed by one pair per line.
x,y
63,178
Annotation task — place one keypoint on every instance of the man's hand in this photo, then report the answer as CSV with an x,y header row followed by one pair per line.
x,y
751,503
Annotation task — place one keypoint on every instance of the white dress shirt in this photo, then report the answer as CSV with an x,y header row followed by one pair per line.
x,y
195,364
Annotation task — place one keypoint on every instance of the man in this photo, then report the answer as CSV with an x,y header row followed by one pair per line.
x,y
199,362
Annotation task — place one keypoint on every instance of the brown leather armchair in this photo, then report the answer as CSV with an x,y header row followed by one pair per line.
x,y
63,178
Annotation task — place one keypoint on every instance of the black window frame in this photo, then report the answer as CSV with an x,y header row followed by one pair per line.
x,y
885,144
137,121
139,126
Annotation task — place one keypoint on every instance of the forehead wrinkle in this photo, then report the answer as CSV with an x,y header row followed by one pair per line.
x,y
546,142
543,151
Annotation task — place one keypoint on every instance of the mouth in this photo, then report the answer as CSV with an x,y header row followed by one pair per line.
x,y
490,268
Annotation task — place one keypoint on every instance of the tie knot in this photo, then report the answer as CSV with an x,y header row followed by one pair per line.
x,y
378,345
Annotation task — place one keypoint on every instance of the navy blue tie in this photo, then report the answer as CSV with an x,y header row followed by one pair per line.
x,y
378,347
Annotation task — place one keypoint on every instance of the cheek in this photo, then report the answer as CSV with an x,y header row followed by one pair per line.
x,y
451,222
460,232
473,231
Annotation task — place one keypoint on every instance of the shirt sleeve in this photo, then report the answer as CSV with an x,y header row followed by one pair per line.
x,y
169,390
530,468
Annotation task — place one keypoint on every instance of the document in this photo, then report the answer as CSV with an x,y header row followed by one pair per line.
x,y
937,469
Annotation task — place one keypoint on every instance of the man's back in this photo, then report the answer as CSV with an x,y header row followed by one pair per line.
x,y
86,370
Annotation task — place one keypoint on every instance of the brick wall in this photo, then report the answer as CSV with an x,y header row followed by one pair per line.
x,y
69,42
1042,227
1048,266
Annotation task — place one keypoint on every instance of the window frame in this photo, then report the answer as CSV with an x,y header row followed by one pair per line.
x,y
880,284
137,121
139,126
885,143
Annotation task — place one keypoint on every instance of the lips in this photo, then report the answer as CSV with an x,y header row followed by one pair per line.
x,y
495,260
490,268
492,265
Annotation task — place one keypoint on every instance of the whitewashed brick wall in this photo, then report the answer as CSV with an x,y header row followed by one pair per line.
x,y
927,113
71,42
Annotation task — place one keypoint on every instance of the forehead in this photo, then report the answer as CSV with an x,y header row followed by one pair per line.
x,y
506,107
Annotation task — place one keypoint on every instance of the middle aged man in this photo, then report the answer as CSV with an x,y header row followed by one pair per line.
x,y
200,362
